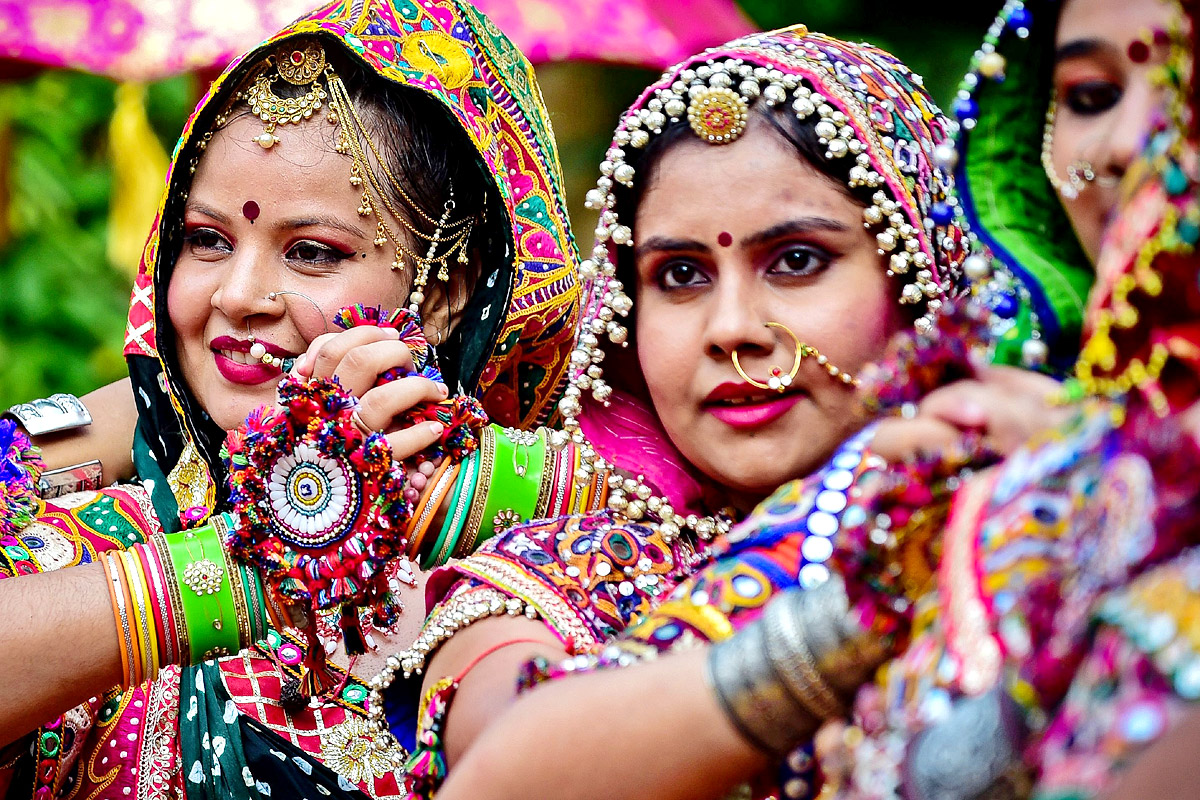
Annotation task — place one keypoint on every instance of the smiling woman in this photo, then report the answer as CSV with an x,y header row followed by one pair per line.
x,y
378,153
304,234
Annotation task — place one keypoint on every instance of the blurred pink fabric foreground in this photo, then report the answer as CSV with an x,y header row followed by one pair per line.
x,y
147,39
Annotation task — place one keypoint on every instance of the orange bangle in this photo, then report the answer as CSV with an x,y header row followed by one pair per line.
x,y
135,654
439,485
143,613
600,492
124,643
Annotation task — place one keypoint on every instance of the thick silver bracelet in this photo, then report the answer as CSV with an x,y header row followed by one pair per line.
x,y
752,696
845,652
779,678
53,414
88,476
787,625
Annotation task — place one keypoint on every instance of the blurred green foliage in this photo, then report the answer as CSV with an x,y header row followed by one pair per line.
x,y
62,304
934,39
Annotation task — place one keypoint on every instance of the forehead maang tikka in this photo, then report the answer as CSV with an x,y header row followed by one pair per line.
x,y
303,64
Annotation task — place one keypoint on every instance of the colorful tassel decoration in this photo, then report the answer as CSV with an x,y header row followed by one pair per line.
x,y
21,468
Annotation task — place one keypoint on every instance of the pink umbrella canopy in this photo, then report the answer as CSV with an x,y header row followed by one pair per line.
x,y
150,39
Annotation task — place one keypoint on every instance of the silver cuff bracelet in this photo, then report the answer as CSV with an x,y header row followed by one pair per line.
x,y
88,476
58,412
752,696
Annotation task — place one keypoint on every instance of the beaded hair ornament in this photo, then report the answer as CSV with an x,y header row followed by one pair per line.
x,y
865,105
303,65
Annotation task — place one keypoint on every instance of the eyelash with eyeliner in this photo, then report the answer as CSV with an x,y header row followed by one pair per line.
x,y
822,256
329,253
192,238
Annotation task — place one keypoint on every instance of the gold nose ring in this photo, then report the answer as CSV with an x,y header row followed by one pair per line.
x,y
778,381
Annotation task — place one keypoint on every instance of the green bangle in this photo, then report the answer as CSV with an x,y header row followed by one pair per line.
x,y
511,496
206,591
463,491
483,482
256,601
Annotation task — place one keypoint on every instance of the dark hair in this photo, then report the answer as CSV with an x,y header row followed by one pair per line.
x,y
801,134
784,123
427,152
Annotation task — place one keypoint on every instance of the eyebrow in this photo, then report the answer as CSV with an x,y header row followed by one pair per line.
x,y
1078,48
322,219
289,224
207,211
793,227
667,244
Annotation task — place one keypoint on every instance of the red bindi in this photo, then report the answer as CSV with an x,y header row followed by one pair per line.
x,y
250,211
1139,51
724,239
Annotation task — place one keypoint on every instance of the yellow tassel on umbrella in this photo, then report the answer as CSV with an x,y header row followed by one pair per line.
x,y
139,170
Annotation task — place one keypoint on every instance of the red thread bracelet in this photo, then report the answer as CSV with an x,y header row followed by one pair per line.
x,y
500,646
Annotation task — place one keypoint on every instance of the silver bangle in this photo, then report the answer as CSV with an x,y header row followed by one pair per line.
x,y
58,412
753,698
794,667
786,625
88,476
846,653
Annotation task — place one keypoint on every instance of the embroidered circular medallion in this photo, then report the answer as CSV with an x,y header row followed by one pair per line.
x,y
441,55
314,497
359,753
718,115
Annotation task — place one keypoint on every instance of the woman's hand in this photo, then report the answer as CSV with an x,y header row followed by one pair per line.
x,y
1005,406
357,358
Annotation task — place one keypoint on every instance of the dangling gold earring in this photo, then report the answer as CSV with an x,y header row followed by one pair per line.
x,y
417,296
